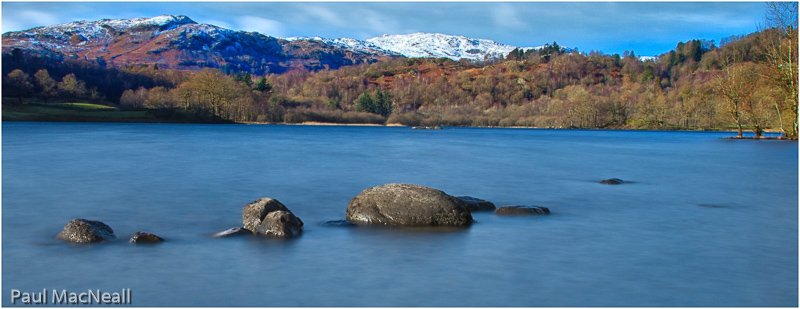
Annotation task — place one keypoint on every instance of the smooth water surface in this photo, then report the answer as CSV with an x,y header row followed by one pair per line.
x,y
703,221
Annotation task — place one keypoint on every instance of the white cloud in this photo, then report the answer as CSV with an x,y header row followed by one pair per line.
x,y
375,22
504,15
27,19
261,25
322,15
215,22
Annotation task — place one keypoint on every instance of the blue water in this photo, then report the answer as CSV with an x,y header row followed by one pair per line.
x,y
703,221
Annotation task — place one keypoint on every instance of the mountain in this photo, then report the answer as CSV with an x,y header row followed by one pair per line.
x,y
442,45
423,45
178,42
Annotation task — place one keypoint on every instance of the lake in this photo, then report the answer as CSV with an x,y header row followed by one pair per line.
x,y
702,221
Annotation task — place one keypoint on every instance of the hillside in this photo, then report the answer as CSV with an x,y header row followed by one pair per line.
x,y
177,42
425,45
746,83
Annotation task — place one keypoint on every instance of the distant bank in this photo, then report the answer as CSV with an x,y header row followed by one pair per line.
x,y
90,112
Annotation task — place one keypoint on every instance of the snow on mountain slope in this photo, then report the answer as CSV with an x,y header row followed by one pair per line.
x,y
347,43
176,41
423,45
106,28
441,45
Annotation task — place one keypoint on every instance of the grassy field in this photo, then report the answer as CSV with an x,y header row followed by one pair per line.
x,y
77,112
34,110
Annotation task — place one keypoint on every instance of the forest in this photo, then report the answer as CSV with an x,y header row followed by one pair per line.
x,y
743,83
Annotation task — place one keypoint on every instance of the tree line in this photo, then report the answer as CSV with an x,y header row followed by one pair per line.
x,y
746,83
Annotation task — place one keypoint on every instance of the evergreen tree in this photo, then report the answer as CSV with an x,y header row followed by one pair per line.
x,y
248,79
383,104
365,103
333,104
263,85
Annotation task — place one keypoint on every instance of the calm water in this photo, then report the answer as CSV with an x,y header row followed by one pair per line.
x,y
705,221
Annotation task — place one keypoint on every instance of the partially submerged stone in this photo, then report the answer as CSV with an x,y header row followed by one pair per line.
x,y
280,223
612,181
269,217
145,238
476,204
407,204
522,210
234,231
86,231
343,223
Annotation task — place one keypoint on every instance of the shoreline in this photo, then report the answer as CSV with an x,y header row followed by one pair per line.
x,y
316,123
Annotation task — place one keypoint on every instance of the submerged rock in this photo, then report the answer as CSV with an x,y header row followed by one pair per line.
x,y
344,223
145,238
86,231
269,217
476,204
522,210
407,204
612,181
234,231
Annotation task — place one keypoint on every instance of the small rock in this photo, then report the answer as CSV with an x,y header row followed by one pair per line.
x,y
86,231
476,204
612,181
522,210
234,231
145,238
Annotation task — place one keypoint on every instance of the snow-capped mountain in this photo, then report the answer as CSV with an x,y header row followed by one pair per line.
x,y
441,45
423,45
176,41
347,43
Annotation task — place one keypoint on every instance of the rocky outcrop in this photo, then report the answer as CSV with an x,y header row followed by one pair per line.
x,y
612,181
145,238
522,210
269,217
234,231
407,204
476,204
86,231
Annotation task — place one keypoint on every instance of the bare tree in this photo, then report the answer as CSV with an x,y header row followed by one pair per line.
x,y
780,52
735,86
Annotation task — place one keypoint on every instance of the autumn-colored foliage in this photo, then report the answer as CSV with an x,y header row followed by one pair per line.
x,y
742,85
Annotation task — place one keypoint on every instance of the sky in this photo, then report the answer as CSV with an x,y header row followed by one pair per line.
x,y
647,28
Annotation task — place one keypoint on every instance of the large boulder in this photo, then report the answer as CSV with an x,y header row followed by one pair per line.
x,y
269,217
407,204
522,210
476,204
86,231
